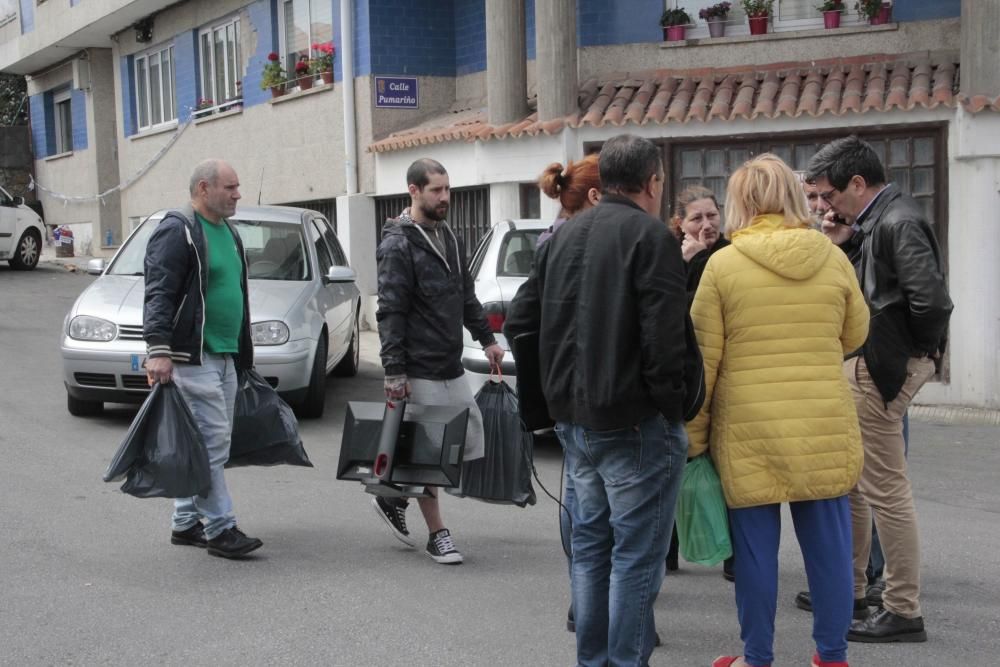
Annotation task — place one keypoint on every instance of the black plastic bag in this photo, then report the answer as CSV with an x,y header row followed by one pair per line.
x,y
503,475
265,431
162,455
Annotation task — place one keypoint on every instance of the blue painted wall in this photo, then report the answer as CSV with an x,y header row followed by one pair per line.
x,y
186,73
263,19
78,111
621,22
36,109
924,10
411,37
470,36
27,16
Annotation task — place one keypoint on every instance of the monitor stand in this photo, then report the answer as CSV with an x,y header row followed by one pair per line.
x,y
378,487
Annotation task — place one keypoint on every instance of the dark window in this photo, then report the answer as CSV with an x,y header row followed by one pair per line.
x,y
322,252
518,253
469,216
477,259
339,258
388,208
531,201
326,207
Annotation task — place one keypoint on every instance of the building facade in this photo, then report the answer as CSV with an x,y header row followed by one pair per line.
x,y
126,96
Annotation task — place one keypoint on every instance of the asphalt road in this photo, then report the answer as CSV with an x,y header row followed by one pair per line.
x,y
88,577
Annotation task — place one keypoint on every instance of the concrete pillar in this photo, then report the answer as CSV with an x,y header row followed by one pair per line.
x,y
505,201
506,61
356,231
555,57
980,48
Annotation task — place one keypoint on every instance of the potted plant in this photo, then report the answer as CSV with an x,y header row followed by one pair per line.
x,y
303,75
322,63
674,23
273,77
757,12
716,16
204,107
876,11
831,13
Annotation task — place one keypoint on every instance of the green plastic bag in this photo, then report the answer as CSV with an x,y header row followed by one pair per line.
x,y
702,519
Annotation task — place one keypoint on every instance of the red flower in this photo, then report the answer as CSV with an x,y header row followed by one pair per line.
x,y
272,56
301,67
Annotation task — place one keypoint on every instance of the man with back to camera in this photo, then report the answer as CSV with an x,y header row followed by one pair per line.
x,y
425,295
900,268
196,323
607,298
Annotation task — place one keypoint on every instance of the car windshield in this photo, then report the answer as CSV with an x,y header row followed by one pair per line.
x,y
518,252
275,250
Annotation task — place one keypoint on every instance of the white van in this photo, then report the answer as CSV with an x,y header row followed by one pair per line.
x,y
21,233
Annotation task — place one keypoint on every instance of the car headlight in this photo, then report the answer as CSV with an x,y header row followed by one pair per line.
x,y
85,327
269,333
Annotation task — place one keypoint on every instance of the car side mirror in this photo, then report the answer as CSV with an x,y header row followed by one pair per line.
x,y
18,201
341,274
95,267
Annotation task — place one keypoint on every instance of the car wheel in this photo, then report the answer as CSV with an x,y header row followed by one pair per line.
x,y
348,366
315,400
80,408
27,252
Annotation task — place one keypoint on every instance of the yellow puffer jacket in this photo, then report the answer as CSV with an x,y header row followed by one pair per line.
x,y
775,313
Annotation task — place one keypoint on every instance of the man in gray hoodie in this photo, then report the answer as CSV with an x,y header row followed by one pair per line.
x,y
425,296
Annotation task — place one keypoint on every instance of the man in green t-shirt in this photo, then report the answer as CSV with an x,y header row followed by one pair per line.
x,y
196,323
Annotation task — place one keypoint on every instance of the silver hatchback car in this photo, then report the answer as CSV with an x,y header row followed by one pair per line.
x,y
499,266
304,309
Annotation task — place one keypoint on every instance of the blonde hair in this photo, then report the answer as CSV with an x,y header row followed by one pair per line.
x,y
763,185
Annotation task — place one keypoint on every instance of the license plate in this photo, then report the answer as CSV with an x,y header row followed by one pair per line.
x,y
138,362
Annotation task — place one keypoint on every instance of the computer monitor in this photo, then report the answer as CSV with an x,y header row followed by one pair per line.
x,y
428,449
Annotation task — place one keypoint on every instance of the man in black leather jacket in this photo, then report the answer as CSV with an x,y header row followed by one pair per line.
x,y
900,268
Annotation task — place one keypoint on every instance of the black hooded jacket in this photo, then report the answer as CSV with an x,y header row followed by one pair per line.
x,y
424,299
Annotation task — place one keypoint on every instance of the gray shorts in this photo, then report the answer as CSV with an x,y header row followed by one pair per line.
x,y
453,392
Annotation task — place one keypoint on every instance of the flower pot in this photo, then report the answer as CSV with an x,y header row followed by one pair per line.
x,y
885,13
278,90
717,27
305,82
758,25
831,19
674,33
327,76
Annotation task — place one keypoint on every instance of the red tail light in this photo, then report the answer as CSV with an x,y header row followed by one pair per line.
x,y
495,321
381,464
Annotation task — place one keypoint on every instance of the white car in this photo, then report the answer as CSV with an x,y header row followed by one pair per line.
x,y
499,266
304,309
21,233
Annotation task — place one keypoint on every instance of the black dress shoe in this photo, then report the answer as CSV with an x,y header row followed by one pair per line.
x,y
874,593
570,621
804,601
884,626
727,570
192,537
232,543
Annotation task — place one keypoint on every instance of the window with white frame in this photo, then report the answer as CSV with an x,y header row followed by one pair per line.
x,y
786,15
303,23
155,89
62,115
221,64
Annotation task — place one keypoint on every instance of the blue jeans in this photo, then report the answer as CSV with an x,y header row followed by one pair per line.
x,y
210,392
626,484
823,528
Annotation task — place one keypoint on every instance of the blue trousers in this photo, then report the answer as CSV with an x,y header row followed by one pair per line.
x,y
626,484
823,528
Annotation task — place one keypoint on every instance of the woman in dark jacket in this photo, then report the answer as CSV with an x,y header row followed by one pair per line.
x,y
696,222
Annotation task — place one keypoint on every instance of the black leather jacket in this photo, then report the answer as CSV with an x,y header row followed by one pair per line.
x,y
902,277
176,272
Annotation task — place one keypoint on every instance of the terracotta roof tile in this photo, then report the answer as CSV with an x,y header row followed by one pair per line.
x,y
858,84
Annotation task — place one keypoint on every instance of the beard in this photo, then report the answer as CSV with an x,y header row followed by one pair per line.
x,y
436,214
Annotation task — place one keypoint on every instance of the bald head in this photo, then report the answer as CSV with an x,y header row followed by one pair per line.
x,y
215,189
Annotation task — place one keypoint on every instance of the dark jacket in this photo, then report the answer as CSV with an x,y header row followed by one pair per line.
x,y
902,277
606,296
696,266
176,273
424,298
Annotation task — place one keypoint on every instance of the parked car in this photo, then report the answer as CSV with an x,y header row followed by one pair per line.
x,y
499,266
21,233
304,309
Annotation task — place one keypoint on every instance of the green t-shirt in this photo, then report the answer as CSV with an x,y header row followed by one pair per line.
x,y
224,291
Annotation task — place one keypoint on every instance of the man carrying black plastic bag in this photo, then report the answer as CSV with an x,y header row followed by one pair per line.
x,y
503,474
265,431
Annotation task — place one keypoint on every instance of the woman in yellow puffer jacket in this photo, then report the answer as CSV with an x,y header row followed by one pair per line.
x,y
775,313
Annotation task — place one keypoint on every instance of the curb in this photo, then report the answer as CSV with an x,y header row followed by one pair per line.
x,y
951,414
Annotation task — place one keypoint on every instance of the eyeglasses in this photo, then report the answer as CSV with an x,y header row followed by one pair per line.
x,y
826,196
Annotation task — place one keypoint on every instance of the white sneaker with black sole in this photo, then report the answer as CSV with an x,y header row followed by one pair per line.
x,y
441,548
393,512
